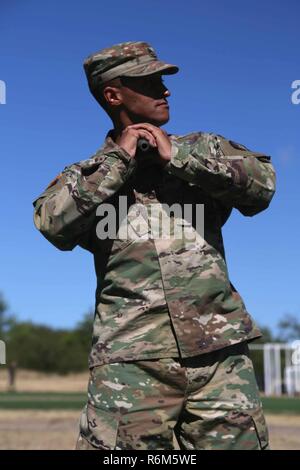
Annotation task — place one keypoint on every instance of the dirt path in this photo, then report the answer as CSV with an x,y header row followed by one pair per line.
x,y
284,432
31,381
27,429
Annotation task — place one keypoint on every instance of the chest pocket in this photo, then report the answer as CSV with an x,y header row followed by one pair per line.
x,y
196,197
128,223
206,216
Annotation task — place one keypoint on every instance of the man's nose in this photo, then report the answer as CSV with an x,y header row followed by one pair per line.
x,y
166,92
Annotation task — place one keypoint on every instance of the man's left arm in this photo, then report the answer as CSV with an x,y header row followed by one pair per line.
x,y
226,171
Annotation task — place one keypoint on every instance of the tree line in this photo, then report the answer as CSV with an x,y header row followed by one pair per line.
x,y
44,348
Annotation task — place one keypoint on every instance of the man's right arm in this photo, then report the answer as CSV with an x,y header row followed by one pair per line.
x,y
65,211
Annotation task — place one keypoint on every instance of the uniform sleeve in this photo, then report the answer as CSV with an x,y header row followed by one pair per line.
x,y
65,211
225,170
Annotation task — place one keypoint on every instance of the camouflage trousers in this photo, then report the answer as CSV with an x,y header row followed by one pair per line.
x,y
209,401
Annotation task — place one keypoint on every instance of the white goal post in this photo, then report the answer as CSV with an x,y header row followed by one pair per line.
x,y
281,367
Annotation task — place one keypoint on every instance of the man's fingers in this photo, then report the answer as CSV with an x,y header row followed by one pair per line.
x,y
146,125
148,136
156,131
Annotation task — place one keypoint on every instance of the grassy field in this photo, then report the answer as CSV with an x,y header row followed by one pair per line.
x,y
281,405
75,401
41,401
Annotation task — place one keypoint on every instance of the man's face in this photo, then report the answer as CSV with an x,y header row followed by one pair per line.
x,y
144,99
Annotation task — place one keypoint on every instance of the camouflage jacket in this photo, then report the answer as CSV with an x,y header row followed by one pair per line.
x,y
160,297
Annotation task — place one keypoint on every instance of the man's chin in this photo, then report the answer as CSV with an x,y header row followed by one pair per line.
x,y
157,118
158,121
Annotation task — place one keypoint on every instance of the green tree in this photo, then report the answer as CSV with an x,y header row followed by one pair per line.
x,y
33,346
6,320
47,349
267,336
289,328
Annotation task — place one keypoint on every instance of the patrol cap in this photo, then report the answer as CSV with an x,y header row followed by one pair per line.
x,y
127,59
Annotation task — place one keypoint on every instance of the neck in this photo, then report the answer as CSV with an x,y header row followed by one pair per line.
x,y
120,122
123,120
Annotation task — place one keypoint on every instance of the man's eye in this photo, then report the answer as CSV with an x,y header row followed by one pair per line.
x,y
156,82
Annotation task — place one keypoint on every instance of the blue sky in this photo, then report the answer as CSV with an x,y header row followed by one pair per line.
x,y
237,62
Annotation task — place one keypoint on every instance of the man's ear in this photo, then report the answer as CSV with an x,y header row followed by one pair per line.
x,y
113,95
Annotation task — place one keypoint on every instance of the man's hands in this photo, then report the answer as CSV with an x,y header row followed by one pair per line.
x,y
157,137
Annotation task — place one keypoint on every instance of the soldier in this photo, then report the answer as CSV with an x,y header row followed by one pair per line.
x,y
169,355
12,371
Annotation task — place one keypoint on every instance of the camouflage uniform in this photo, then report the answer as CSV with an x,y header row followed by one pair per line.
x,y
207,402
166,313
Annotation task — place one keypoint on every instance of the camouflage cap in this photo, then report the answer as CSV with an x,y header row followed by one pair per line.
x,y
127,59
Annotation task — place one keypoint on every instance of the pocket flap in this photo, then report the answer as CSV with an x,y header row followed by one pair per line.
x,y
260,427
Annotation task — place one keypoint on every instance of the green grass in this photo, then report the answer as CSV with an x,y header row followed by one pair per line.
x,y
42,401
75,401
283,405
